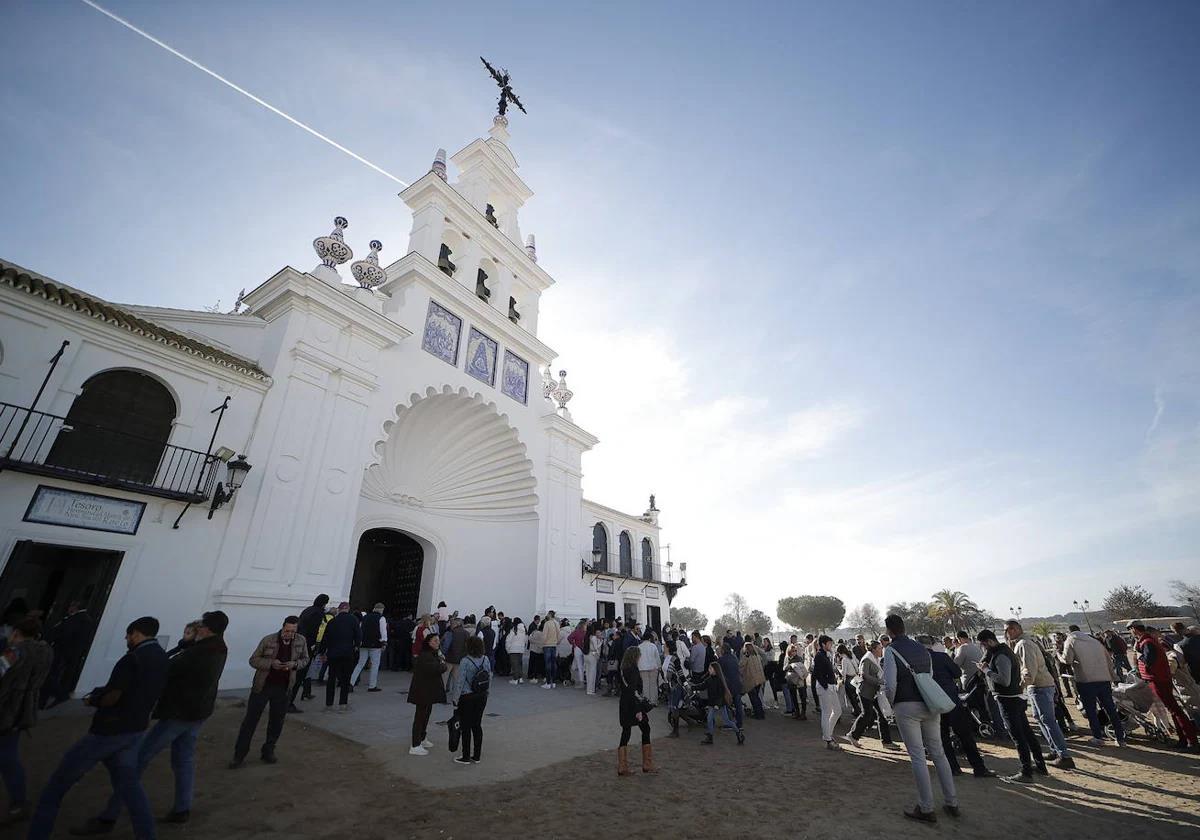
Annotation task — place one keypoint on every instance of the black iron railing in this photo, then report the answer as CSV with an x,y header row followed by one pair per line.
x,y
46,444
646,570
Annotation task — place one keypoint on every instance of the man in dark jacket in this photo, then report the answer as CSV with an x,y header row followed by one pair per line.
x,y
402,641
123,709
457,648
186,702
733,678
29,664
1001,666
946,674
339,644
1189,646
70,638
374,639
308,627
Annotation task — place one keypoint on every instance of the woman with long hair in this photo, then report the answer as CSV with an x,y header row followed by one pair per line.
x,y
634,711
751,671
594,649
537,664
516,643
469,693
425,690
848,668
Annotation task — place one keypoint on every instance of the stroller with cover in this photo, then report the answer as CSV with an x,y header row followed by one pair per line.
x,y
1135,704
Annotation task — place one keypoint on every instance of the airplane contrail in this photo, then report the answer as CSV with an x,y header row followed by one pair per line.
x,y
242,90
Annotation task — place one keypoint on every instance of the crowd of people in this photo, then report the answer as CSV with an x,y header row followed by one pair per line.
x,y
936,697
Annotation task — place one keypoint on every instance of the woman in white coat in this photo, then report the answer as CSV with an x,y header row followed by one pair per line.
x,y
517,645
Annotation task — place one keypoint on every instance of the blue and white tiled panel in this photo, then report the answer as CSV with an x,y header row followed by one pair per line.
x,y
443,331
481,357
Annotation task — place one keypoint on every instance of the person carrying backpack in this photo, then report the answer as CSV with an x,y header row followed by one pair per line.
x,y
469,692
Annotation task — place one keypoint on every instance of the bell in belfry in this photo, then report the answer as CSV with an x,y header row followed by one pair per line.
x,y
513,314
490,215
481,289
444,260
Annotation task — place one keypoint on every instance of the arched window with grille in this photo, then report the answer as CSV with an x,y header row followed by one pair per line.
x,y
647,559
626,554
600,547
117,427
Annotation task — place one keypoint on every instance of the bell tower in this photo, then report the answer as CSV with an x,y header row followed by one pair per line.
x,y
468,226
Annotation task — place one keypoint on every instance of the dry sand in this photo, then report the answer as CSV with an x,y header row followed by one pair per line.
x,y
781,783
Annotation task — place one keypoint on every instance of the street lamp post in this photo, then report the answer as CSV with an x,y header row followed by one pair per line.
x,y
1083,608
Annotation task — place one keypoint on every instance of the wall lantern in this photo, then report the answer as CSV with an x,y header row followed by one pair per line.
x,y
236,474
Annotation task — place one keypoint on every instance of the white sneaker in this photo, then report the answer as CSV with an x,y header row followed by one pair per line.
x,y
547,685
427,744
851,739
418,751
520,682
554,685
514,682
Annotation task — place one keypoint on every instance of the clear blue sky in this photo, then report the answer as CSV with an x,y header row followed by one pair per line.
x,y
879,300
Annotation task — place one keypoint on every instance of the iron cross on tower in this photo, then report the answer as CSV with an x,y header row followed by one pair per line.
x,y
506,91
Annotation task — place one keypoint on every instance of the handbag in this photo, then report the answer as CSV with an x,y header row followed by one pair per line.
x,y
933,695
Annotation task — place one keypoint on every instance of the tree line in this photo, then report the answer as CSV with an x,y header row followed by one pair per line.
x,y
946,611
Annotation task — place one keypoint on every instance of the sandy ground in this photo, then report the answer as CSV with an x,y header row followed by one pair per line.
x,y
780,783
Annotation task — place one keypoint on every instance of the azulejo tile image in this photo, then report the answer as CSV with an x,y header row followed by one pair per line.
x,y
515,378
443,331
481,356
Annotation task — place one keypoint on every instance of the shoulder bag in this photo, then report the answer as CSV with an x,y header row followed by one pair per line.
x,y
933,695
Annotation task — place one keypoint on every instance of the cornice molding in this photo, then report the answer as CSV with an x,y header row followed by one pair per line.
x,y
289,288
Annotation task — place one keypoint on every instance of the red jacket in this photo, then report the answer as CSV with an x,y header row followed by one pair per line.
x,y
1152,660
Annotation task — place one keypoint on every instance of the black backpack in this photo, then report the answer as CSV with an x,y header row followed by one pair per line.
x,y
481,680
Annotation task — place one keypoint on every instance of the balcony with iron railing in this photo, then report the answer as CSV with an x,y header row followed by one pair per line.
x,y
46,444
648,571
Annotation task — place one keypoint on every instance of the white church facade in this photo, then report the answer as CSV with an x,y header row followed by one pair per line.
x,y
397,438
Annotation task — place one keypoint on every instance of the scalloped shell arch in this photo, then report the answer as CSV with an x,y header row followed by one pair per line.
x,y
453,454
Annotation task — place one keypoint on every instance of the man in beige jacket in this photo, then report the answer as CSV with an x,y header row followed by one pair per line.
x,y
276,661
1039,683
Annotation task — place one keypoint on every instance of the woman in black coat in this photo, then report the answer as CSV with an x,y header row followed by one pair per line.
x,y
425,690
632,713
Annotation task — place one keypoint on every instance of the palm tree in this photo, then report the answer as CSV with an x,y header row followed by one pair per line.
x,y
954,609
1043,629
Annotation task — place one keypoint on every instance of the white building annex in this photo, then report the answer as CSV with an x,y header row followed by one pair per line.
x,y
405,441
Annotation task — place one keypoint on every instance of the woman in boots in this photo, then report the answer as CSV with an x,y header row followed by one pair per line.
x,y
633,713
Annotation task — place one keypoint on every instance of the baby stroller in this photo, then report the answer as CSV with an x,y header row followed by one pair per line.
x,y
1135,703
973,700
691,707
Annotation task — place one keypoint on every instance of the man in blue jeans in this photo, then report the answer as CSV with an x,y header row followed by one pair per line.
x,y
1092,666
1039,682
122,714
187,701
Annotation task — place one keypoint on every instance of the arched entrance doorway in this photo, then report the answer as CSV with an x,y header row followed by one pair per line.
x,y
387,570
